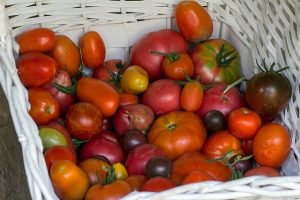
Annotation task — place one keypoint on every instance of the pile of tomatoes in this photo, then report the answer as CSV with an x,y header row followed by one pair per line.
x,y
172,115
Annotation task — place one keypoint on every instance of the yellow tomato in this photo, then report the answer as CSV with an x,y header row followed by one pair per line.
x,y
134,80
120,171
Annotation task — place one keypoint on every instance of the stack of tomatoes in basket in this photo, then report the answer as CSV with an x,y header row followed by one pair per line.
x,y
172,115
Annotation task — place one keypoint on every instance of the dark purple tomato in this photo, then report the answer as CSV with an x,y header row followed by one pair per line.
x,y
159,166
132,139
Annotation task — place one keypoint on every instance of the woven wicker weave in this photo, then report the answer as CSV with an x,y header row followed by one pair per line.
x,y
260,29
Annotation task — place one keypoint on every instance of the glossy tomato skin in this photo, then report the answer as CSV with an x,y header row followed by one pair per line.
x,y
104,96
66,54
193,21
209,68
268,94
176,133
136,181
271,145
221,142
127,99
113,191
104,72
158,184
44,107
191,96
36,40
164,40
56,153
51,138
197,176
244,123
92,49
68,180
36,69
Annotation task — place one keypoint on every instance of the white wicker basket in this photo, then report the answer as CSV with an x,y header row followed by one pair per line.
x,y
260,29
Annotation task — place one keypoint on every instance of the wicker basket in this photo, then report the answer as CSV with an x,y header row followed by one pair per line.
x,y
260,29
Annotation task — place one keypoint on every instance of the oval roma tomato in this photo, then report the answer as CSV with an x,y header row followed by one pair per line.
x,y
193,21
176,133
51,137
99,93
56,153
244,123
36,69
43,106
66,54
271,145
216,60
36,40
92,49
177,66
134,80
191,96
115,190
220,143
68,180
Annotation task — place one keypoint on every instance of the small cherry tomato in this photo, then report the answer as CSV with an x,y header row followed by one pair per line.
x,y
120,171
271,145
214,120
197,176
51,137
134,80
158,184
56,153
36,40
92,49
191,96
244,123
159,166
43,106
177,66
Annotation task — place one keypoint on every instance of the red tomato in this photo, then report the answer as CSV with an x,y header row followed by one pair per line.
x,y
165,40
244,123
68,180
191,96
36,40
262,171
177,133
136,181
271,145
36,69
83,120
126,99
56,153
221,142
158,184
197,176
99,93
66,54
247,146
193,21
113,191
177,65
92,49
43,106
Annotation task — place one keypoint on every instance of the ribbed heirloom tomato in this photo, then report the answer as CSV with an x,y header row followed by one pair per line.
x,y
177,132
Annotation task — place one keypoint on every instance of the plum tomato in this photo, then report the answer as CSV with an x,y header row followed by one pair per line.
x,y
191,96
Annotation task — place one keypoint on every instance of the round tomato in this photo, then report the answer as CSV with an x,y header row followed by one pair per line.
x,y
271,145
36,40
83,120
92,49
51,137
158,184
109,69
36,69
191,96
66,54
99,93
120,171
193,21
136,181
262,171
68,180
43,106
112,191
197,176
126,99
177,66
244,123
216,60
220,143
274,91
177,132
56,153
134,80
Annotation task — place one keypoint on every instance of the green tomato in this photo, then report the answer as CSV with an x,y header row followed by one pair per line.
x,y
51,137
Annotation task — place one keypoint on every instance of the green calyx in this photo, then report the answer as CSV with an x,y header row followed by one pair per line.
x,y
173,56
224,57
265,68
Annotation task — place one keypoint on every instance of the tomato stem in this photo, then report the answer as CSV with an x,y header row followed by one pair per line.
x,y
173,56
110,175
224,58
233,84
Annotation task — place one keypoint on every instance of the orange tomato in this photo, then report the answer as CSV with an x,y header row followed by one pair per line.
x,y
193,21
176,66
158,184
191,96
92,49
56,153
136,181
271,145
244,123
176,133
99,93
36,40
113,191
66,54
262,171
126,99
197,176
68,180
